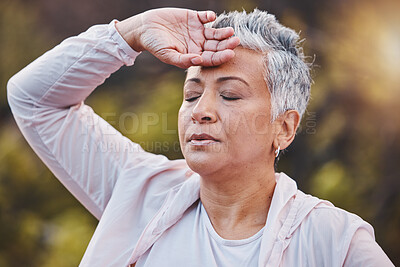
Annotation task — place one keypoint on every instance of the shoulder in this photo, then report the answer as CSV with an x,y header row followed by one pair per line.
x,y
330,222
321,216
328,231
334,219
346,236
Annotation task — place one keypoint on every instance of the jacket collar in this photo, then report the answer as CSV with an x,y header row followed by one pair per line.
x,y
178,200
289,207
287,211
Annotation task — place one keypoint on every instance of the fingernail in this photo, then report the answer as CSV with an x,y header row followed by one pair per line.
x,y
196,60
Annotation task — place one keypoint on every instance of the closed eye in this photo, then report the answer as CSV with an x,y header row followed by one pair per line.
x,y
191,99
230,98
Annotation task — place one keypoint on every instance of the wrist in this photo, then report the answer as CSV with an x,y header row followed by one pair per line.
x,y
131,30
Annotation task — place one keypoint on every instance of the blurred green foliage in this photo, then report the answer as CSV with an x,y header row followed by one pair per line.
x,y
347,149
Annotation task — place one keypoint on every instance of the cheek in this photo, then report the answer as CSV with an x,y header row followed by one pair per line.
x,y
259,118
249,122
251,139
184,120
261,123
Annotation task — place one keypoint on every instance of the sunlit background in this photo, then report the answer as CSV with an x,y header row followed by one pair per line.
x,y
347,149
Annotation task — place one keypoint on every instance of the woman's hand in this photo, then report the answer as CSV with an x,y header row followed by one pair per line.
x,y
178,37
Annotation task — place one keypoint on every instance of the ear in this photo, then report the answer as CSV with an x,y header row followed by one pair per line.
x,y
286,127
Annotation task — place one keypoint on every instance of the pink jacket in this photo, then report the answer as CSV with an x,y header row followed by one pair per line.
x,y
137,195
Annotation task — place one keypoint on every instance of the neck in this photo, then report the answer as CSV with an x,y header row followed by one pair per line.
x,y
237,203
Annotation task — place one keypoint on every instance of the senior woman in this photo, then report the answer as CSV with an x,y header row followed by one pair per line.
x,y
223,205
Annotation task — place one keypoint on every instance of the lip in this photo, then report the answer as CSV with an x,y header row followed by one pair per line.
x,y
202,139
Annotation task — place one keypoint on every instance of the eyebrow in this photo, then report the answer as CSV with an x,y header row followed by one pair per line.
x,y
219,80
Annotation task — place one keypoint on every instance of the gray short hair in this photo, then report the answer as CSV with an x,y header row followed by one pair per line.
x,y
287,73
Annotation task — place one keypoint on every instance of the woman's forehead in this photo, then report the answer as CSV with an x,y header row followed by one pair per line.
x,y
246,65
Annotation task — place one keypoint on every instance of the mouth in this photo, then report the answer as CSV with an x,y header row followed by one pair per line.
x,y
202,139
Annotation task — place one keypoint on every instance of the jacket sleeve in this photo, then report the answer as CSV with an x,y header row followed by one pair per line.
x,y
46,99
334,237
365,251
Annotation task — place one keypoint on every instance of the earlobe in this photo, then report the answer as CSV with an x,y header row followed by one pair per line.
x,y
289,122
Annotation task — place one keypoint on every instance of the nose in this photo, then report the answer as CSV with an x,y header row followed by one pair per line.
x,y
204,111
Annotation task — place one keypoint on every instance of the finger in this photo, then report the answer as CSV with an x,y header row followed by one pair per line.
x,y
218,34
206,16
214,45
216,58
173,57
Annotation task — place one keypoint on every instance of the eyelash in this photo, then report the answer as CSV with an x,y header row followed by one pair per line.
x,y
191,99
224,97
230,98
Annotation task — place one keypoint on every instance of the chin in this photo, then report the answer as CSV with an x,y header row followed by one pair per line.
x,y
203,163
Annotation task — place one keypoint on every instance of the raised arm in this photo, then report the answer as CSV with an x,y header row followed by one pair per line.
x,y
47,96
46,99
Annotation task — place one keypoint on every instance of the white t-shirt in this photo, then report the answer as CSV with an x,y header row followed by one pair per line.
x,y
200,245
